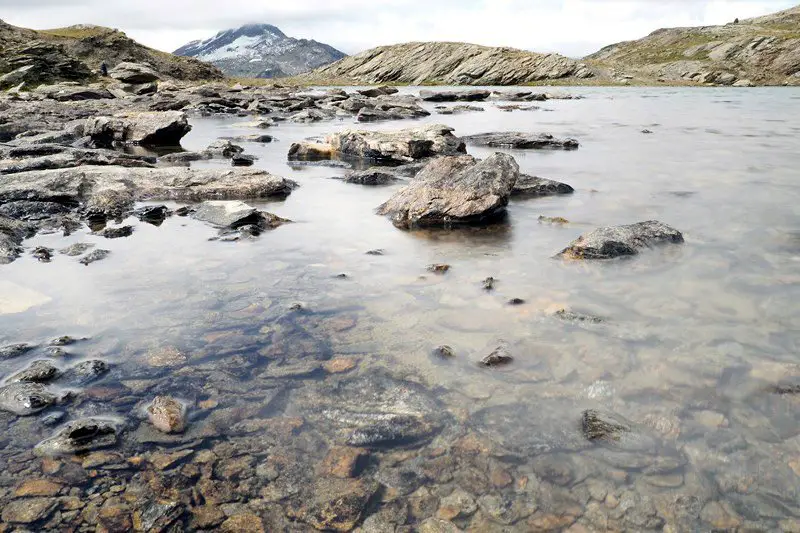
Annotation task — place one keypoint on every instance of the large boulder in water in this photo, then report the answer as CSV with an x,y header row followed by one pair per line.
x,y
386,146
617,241
472,95
454,190
133,73
154,128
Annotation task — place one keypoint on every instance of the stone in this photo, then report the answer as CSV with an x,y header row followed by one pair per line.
x,y
399,146
155,515
150,128
444,352
601,426
167,414
488,283
533,186
243,160
37,487
458,505
720,516
15,350
25,399
224,213
42,254
114,519
516,301
28,510
438,268
437,525
152,214
454,190
378,91
499,357
475,95
94,256
223,148
164,461
78,436
116,233
337,505
343,462
135,73
340,365
165,357
206,517
40,371
243,523
372,176
520,141
619,241
76,249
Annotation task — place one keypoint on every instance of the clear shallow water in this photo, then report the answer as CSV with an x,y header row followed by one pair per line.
x,y
692,335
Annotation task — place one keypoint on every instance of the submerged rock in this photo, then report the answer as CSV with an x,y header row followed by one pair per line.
x,y
618,241
534,186
24,399
520,140
336,504
378,411
76,249
40,371
94,256
167,414
444,352
454,190
80,436
499,357
84,372
15,350
603,426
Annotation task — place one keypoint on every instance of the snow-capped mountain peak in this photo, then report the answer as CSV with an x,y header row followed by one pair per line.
x,y
261,50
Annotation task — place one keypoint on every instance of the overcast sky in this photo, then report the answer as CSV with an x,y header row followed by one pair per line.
x,y
571,27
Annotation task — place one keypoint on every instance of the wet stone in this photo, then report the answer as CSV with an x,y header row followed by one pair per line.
x,y
157,515
167,414
437,525
24,399
206,517
40,371
516,301
444,352
15,350
337,505
459,504
488,284
116,233
377,251
571,316
28,510
37,487
42,254
85,372
64,340
79,436
340,365
343,462
603,426
76,249
152,214
499,357
94,256
243,523
439,268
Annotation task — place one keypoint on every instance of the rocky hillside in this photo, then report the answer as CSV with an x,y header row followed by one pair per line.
x,y
261,51
453,64
72,54
759,51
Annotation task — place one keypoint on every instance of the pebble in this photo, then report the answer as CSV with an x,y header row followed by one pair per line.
x,y
340,365
167,414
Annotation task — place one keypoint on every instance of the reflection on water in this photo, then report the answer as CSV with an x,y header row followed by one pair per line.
x,y
691,341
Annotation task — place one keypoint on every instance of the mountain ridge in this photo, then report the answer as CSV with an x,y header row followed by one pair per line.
x,y
260,51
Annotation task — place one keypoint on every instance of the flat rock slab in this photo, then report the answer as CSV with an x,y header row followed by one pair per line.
x,y
223,212
393,147
534,186
454,190
618,241
455,96
522,141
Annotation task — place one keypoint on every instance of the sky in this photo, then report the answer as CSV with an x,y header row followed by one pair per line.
x,y
570,27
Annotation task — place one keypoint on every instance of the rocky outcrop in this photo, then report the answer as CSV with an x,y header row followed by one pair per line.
x,y
523,141
477,95
454,190
37,62
619,241
760,51
393,147
155,128
451,64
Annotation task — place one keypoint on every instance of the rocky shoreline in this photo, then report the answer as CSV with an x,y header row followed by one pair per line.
x,y
268,421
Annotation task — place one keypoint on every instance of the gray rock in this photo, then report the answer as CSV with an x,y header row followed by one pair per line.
x,y
401,146
152,214
24,399
71,94
15,350
84,372
152,128
533,186
76,249
618,241
454,190
476,95
167,414
520,140
499,357
127,72
94,256
243,160
371,176
378,91
29,510
116,233
223,148
80,436
223,213
40,371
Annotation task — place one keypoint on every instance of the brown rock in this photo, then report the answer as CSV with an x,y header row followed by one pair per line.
x,y
550,522
721,516
206,517
114,520
37,487
167,414
337,504
95,459
50,466
243,523
342,462
341,365
163,357
163,461
28,510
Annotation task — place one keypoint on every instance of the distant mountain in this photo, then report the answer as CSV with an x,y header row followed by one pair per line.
x,y
261,51
758,51
452,64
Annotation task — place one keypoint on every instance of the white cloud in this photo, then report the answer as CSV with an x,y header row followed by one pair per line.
x,y
572,27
